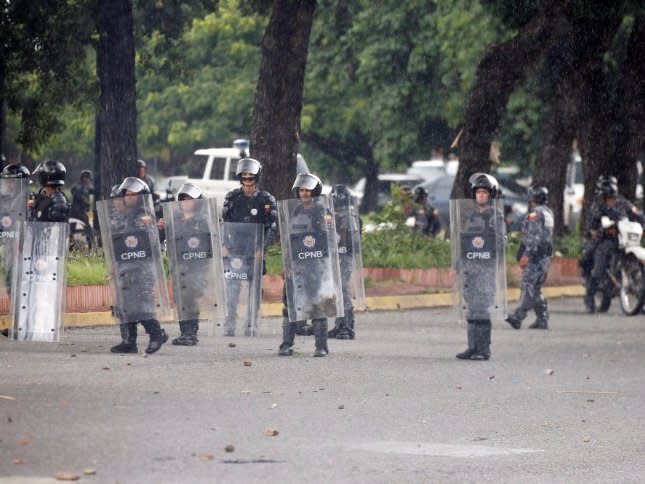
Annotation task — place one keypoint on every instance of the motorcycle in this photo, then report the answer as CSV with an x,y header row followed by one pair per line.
x,y
625,277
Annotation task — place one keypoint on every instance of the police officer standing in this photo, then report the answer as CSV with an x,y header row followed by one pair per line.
x,y
247,204
426,217
51,204
131,225
534,257
481,231
602,243
81,203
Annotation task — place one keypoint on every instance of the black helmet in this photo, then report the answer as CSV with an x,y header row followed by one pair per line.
x,y
86,174
15,170
607,186
141,164
484,180
539,194
133,184
248,165
420,194
51,172
341,195
189,190
308,181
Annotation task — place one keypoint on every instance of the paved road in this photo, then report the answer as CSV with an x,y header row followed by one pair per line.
x,y
394,405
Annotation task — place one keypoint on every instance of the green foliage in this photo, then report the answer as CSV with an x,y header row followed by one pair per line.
x,y
570,245
401,248
86,270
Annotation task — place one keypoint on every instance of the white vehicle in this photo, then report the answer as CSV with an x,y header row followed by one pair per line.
x,y
218,176
574,192
429,169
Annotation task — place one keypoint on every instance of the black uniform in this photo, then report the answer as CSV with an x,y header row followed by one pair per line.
x,y
259,208
307,218
426,219
80,208
599,247
51,208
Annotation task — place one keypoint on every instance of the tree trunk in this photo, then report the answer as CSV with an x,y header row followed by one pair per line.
x,y
117,101
502,69
278,97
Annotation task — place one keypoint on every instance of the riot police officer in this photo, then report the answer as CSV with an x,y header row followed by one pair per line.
x,y
189,221
534,257
247,204
51,203
135,281
348,227
311,217
483,227
600,243
426,217
81,203
14,180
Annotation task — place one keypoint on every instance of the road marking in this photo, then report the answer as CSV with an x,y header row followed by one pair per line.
x,y
439,450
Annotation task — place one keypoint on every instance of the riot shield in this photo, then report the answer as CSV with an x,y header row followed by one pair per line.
x,y
478,239
133,254
310,259
242,254
193,242
13,214
38,294
348,230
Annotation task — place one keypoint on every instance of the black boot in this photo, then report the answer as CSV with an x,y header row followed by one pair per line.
x,y
339,323
349,323
157,335
465,355
320,333
482,341
514,321
188,335
288,335
542,312
129,337
590,304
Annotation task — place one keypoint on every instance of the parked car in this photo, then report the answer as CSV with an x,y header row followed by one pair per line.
x,y
574,192
429,170
515,201
385,182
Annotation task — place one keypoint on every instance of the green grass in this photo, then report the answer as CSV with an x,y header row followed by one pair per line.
x,y
86,270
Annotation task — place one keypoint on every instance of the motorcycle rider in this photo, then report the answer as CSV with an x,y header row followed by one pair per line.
x,y
247,204
534,257
486,222
602,243
51,203
81,203
426,217
136,217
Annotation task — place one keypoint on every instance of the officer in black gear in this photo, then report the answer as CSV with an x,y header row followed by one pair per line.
x,y
306,187
142,174
192,223
247,204
479,293
51,203
342,200
426,217
600,244
13,210
136,284
534,257
81,203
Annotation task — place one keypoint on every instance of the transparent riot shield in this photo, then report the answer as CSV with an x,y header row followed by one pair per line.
x,y
133,253
13,214
478,239
242,254
193,242
348,234
310,259
38,294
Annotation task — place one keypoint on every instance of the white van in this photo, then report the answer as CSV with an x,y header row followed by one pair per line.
x,y
574,192
429,169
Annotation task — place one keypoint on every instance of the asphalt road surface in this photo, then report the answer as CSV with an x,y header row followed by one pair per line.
x,y
394,405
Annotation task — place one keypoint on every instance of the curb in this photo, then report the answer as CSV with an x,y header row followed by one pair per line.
x,y
384,303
